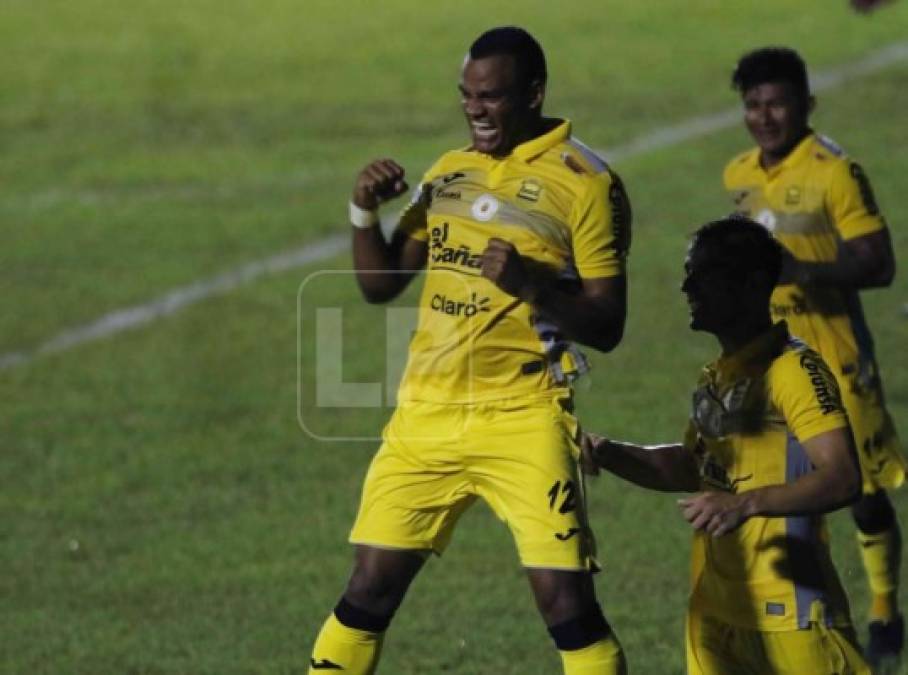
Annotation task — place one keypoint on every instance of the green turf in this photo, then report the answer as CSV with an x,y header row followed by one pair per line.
x,y
162,511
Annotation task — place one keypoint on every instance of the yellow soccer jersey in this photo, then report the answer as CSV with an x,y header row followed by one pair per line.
x,y
812,201
568,216
751,413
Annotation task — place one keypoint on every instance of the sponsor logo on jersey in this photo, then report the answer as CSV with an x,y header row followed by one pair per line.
x,y
740,196
621,215
451,177
442,193
793,195
442,254
443,304
712,473
822,385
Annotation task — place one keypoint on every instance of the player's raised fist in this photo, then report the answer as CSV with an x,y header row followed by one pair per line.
x,y
379,182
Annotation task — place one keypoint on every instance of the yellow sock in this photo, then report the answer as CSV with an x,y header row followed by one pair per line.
x,y
338,647
882,554
604,657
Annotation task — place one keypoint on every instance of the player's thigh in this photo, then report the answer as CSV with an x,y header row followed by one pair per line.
x,y
877,443
713,647
415,489
813,650
525,465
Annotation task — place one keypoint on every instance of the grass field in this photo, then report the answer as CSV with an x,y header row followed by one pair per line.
x,y
161,509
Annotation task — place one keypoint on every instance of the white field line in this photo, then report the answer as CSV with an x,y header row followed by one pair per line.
x,y
663,137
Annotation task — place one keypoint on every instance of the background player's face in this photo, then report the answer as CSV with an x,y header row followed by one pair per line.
x,y
501,111
715,304
776,116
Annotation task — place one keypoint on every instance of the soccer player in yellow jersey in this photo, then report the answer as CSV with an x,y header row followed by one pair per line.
x,y
768,450
820,206
523,236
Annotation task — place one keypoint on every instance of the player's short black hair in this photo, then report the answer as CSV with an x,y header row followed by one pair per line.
x,y
771,64
747,249
515,42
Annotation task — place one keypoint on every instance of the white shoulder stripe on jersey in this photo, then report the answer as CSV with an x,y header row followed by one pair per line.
x,y
598,164
830,145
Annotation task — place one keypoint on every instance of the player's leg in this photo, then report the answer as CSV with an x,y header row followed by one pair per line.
x,y
713,647
351,638
881,547
816,649
567,602
413,494
882,466
523,460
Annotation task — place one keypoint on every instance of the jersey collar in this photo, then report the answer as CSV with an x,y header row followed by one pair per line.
x,y
792,158
531,149
757,353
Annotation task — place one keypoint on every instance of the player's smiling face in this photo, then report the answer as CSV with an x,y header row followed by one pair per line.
x,y
501,111
776,116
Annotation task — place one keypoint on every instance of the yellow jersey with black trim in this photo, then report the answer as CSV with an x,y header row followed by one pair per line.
x,y
568,216
812,201
751,413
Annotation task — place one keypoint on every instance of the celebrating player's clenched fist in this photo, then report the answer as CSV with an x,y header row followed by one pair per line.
x,y
377,183
503,266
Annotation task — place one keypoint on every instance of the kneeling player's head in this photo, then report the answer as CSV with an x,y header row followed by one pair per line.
x,y
503,87
773,83
731,268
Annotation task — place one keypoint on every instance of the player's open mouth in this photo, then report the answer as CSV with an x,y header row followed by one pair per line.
x,y
484,132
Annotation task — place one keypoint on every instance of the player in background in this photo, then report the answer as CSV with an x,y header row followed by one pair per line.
x,y
768,450
819,204
524,235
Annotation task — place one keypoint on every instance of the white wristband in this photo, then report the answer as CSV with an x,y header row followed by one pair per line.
x,y
362,218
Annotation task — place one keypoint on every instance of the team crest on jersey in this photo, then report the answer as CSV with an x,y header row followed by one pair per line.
x,y
485,208
530,190
793,195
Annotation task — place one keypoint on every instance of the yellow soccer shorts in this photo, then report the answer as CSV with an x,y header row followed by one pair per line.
x,y
882,463
521,457
718,648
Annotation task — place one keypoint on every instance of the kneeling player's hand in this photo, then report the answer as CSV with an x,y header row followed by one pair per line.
x,y
379,182
716,513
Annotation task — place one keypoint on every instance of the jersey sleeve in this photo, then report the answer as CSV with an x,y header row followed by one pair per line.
x,y
851,203
414,220
601,227
806,393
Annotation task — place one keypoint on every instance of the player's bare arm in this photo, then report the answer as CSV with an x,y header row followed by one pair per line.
x,y
383,268
595,316
863,262
668,468
834,482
